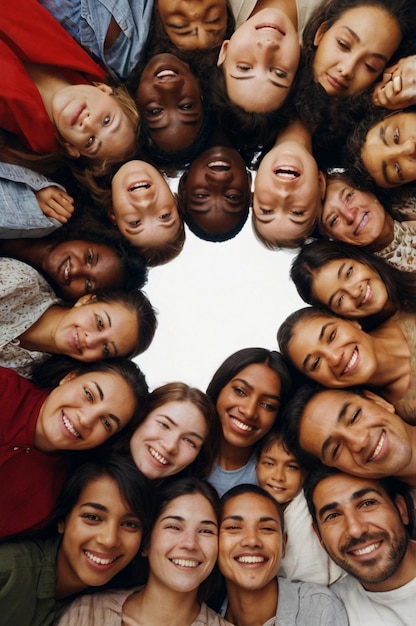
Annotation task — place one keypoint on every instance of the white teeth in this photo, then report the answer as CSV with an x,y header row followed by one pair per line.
x,y
366,550
284,172
251,559
158,456
164,73
139,186
351,362
378,447
221,164
76,338
241,424
70,427
66,269
97,559
185,562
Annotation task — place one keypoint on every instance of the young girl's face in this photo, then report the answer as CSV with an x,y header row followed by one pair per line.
x,y
144,208
183,546
260,61
193,24
101,536
354,51
248,405
169,439
279,473
84,411
92,123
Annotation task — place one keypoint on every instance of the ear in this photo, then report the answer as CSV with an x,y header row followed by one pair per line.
x,y
70,376
322,184
401,505
145,552
379,400
87,298
223,53
73,152
112,216
103,87
61,527
320,33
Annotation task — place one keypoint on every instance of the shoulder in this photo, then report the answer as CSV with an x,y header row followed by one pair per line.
x,y
311,602
96,609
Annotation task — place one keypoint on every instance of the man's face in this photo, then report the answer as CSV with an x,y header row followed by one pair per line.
x,y
359,435
363,530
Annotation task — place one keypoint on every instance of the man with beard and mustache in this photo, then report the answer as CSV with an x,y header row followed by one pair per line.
x,y
364,526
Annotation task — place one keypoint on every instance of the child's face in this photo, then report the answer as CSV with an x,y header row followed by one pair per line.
x,y
144,208
288,193
279,473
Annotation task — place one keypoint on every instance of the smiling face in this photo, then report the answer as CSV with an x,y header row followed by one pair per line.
x,y
170,100
92,123
217,189
84,411
350,288
194,24
248,405
169,439
100,537
260,61
288,192
80,267
333,351
362,530
359,435
389,150
184,544
351,215
279,473
144,208
351,54
251,542
96,330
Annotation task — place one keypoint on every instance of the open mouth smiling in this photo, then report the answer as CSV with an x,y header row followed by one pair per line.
x,y
362,224
241,425
352,363
287,173
373,456
159,458
70,427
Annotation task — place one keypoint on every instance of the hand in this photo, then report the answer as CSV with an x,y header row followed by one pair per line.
x,y
55,203
397,90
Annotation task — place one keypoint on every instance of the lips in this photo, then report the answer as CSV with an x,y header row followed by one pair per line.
x,y
336,84
65,271
368,292
77,342
166,74
287,173
76,115
241,426
362,224
70,427
187,563
251,559
158,457
144,184
352,363
219,166
271,26
378,448
100,560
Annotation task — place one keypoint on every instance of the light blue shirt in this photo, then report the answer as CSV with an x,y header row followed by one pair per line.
x,y
87,21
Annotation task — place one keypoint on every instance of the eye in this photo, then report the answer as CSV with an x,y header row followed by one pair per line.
x,y
243,67
333,221
335,451
332,335
330,517
99,322
88,394
293,467
107,424
239,391
396,136
135,223
266,211
349,272
165,217
278,72
315,365
340,301
132,525
91,517
343,44
370,68
268,406
200,196
186,107
398,171
154,111
190,442
89,286
349,196
267,463
207,531
106,120
233,197
90,256
106,351
355,416
368,503
298,212
90,141
164,425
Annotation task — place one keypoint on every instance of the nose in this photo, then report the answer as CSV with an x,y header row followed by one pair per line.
x,y
189,540
169,85
89,417
215,175
357,439
170,444
409,147
278,474
109,535
332,355
346,67
348,213
248,406
267,43
355,524
251,538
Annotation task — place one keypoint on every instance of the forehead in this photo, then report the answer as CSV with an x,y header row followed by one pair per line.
x,y
193,506
250,507
340,489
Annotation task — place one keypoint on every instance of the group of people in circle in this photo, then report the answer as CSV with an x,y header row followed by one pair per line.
x,y
283,493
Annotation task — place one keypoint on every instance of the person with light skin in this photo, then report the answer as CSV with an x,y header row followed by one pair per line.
x,y
247,389
338,353
251,545
363,525
179,433
181,552
288,190
103,513
354,430
282,476
72,406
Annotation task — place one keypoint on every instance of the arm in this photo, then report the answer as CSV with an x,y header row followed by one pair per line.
x,y
397,90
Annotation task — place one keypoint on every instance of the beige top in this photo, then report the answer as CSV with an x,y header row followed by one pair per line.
x,y
242,10
406,406
105,609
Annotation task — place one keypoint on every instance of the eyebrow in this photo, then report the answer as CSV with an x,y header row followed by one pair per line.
x,y
338,276
110,415
178,518
321,334
341,416
164,224
353,34
356,495
268,395
188,432
94,505
273,82
240,518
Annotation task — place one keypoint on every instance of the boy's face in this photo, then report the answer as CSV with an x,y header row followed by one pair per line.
x,y
279,473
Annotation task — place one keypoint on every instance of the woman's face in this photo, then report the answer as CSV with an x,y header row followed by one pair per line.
x,y
194,24
169,439
351,215
169,99
260,61
333,351
217,190
80,267
144,208
353,52
93,330
84,411
389,150
101,535
91,122
350,288
183,545
288,192
248,405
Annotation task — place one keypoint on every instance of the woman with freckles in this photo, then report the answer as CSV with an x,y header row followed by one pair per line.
x,y
337,353
248,390
72,407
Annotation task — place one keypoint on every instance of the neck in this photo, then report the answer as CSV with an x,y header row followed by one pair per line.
x,y
404,573
394,373
231,457
48,81
386,236
41,336
287,6
298,132
248,607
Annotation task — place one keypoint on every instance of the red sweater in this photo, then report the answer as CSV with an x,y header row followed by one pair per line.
x,y
28,32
